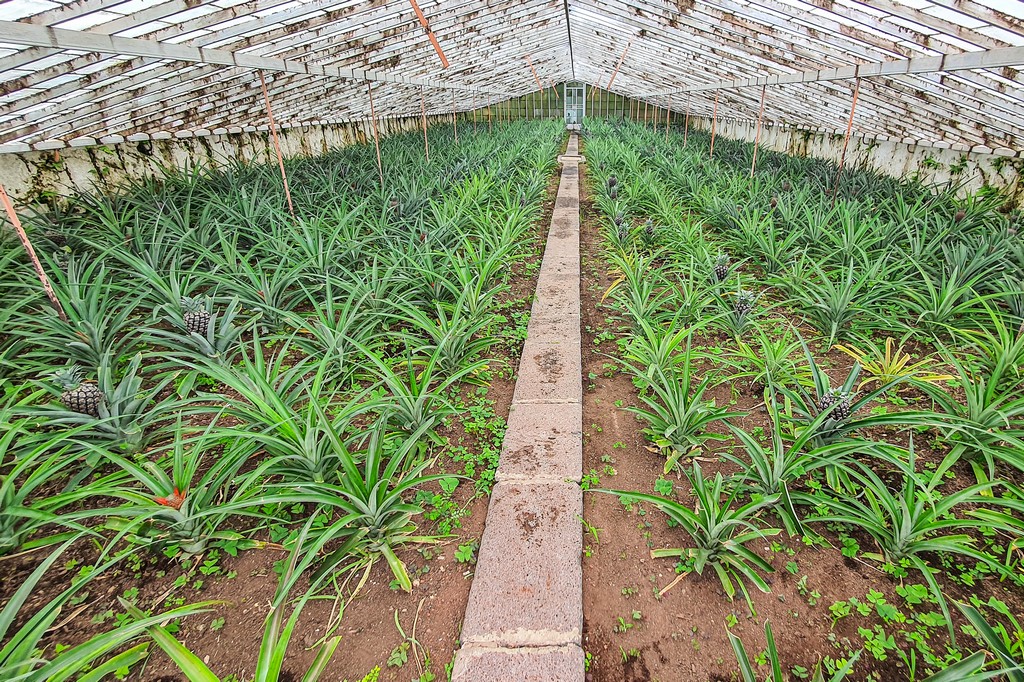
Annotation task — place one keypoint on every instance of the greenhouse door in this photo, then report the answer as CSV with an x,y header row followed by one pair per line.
x,y
575,103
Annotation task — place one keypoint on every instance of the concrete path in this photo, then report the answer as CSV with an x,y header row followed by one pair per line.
x,y
524,621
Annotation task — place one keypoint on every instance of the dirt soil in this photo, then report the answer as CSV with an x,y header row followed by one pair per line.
x,y
241,588
641,623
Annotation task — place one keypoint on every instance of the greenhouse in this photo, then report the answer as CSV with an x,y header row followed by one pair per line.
x,y
575,341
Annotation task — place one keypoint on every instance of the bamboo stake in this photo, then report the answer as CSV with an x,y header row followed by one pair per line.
x,y
645,114
423,108
714,126
846,141
489,106
757,135
23,236
376,135
277,145
474,112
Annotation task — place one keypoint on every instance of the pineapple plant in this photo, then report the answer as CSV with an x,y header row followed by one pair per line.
x,y
196,317
721,267
77,395
649,234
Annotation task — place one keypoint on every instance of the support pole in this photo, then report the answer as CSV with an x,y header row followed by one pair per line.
x,y
645,114
277,144
757,134
616,71
23,236
686,123
489,107
846,141
430,33
714,126
423,109
455,121
376,135
668,118
534,72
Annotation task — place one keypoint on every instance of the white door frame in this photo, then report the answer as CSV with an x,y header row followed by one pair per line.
x,y
575,98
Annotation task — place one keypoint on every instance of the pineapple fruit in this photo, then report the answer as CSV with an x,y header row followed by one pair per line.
x,y
744,303
838,398
196,317
721,267
77,395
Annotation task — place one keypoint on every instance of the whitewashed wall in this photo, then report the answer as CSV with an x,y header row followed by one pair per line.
x,y
37,175
932,164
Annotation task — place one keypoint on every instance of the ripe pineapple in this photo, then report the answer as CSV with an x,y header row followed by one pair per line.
x,y
721,267
196,317
78,396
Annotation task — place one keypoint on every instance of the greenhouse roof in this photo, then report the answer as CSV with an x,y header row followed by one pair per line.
x,y
940,72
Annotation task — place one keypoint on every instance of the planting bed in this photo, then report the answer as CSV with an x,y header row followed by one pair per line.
x,y
329,390
866,518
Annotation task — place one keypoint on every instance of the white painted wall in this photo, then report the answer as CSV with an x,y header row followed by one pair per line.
x,y
932,164
31,176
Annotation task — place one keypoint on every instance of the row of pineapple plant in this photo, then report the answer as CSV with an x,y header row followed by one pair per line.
x,y
763,284
222,359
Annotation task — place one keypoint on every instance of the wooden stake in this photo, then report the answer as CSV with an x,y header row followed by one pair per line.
x,y
846,141
455,121
423,108
645,114
23,236
714,126
489,105
757,135
277,145
474,112
376,135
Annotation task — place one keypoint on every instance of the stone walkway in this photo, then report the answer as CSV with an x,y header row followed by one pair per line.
x,y
524,621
